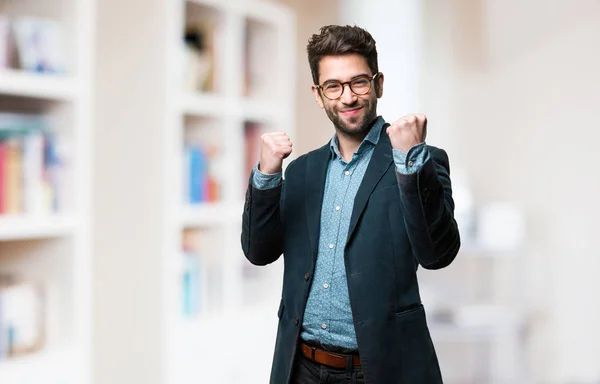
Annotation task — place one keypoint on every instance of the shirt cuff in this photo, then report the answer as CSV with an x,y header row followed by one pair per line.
x,y
411,162
264,181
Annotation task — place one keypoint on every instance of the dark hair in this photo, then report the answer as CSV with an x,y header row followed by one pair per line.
x,y
339,40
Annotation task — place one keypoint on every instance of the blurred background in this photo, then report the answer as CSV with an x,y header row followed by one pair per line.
x,y
128,130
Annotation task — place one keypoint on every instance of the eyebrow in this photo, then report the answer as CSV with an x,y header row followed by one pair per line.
x,y
336,80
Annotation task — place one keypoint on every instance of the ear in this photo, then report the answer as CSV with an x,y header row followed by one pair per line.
x,y
317,95
379,85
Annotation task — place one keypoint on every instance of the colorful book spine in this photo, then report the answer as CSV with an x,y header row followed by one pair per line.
x,y
30,166
193,275
13,177
252,132
200,181
191,283
3,181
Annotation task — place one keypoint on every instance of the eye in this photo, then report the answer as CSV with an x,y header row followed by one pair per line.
x,y
332,86
362,82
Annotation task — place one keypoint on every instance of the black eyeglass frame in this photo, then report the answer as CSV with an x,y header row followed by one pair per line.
x,y
320,87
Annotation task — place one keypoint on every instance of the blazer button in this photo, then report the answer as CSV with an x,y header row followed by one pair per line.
x,y
297,320
306,276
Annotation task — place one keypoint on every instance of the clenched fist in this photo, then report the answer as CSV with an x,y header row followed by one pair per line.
x,y
408,131
274,148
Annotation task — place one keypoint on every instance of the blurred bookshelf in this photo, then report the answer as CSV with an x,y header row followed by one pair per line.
x,y
233,78
45,86
478,316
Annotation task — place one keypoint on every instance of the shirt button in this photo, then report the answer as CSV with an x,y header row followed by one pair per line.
x,y
325,285
410,163
331,246
337,208
324,326
306,276
347,173
296,320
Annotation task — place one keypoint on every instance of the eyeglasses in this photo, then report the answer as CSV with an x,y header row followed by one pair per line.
x,y
360,85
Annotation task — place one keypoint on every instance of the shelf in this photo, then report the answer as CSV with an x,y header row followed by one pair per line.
x,y
202,339
21,227
55,367
478,251
254,60
199,104
254,109
217,4
211,214
452,333
43,86
199,328
259,10
479,323
266,12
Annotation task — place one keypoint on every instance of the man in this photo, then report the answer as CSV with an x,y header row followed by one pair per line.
x,y
353,219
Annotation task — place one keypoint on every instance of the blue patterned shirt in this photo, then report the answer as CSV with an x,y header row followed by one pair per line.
x,y
328,316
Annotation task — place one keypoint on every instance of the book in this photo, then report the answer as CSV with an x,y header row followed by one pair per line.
x,y
39,44
252,133
30,165
22,318
200,180
199,55
5,42
193,274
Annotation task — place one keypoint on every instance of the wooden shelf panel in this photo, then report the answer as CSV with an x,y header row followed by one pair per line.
x,y
265,12
42,86
255,109
199,104
23,227
248,108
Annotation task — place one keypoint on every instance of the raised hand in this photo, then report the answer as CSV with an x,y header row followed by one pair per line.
x,y
274,148
408,131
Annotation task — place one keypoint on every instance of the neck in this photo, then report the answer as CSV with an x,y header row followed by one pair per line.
x,y
349,144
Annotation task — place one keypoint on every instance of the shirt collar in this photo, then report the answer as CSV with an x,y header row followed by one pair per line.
x,y
372,138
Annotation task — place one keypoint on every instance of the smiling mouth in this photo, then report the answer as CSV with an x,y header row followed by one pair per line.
x,y
351,111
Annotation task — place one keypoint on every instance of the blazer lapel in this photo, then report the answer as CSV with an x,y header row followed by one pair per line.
x,y
316,174
380,161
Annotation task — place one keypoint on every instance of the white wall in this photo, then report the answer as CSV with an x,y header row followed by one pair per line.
x,y
396,28
512,90
530,109
128,189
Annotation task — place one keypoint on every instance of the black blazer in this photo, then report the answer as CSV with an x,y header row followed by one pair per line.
x,y
398,222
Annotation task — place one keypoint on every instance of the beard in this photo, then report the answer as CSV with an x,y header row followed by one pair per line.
x,y
354,125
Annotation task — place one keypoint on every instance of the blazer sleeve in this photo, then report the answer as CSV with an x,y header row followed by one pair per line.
x,y
262,224
428,207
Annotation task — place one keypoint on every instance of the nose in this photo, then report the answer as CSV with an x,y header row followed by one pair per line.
x,y
348,97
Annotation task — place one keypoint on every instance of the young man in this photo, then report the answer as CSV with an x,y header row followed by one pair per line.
x,y
353,219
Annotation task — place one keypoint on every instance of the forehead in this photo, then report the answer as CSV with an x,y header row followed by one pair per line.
x,y
342,67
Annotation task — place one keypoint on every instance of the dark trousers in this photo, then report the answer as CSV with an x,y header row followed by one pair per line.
x,y
306,371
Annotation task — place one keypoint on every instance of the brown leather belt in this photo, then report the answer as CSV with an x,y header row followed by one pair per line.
x,y
331,359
